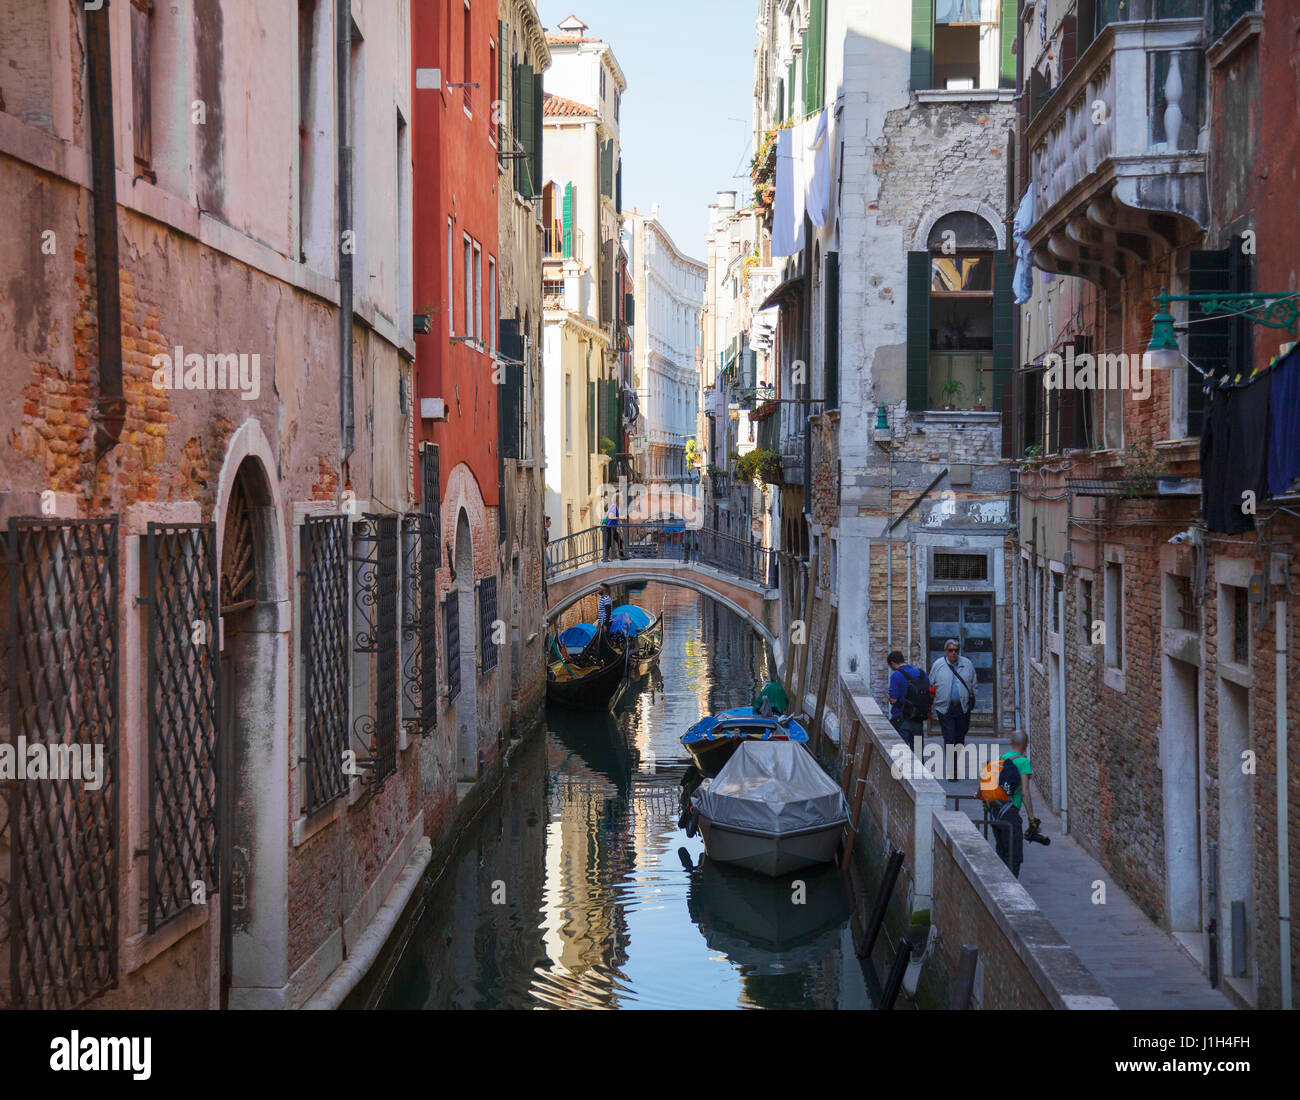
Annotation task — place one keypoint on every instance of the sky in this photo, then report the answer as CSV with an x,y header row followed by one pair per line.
x,y
689,66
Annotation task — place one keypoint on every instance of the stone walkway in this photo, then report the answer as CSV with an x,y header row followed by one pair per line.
x,y
1138,965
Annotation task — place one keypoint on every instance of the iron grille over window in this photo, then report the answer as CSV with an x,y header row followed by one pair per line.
x,y
1240,625
184,717
419,624
487,617
375,597
961,567
1188,615
325,658
61,838
431,488
451,617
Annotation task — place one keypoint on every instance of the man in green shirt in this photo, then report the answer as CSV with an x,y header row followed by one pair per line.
x,y
1009,836
775,694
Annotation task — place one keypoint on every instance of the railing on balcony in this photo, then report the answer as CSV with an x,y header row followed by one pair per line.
x,y
554,243
659,542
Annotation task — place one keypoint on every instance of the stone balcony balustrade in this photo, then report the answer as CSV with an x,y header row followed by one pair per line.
x,y
1118,151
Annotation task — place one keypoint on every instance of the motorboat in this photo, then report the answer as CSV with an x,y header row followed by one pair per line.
x,y
585,671
770,809
713,739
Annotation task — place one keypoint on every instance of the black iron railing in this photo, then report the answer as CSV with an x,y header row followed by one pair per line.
x,y
419,624
325,659
487,624
59,840
451,621
655,541
375,599
184,715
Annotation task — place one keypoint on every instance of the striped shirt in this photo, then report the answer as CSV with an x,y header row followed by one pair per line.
x,y
603,611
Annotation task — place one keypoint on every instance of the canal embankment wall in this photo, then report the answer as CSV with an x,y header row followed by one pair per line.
x,y
952,890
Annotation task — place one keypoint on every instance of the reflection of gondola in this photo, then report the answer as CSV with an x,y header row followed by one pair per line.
x,y
751,920
713,739
590,680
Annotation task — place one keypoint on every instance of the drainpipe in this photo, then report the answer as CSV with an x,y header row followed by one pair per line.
x,y
889,592
342,76
110,406
1065,729
1283,852
909,599
1015,625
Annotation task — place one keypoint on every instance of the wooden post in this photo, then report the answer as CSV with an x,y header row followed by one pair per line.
x,y
858,783
807,627
829,653
847,749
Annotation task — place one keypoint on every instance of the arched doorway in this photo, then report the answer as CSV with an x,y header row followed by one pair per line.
x,y
254,704
467,709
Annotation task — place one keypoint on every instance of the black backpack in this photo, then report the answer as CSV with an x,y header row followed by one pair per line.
x,y
916,697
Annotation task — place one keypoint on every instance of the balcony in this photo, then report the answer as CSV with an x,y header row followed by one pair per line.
x,y
1117,155
554,244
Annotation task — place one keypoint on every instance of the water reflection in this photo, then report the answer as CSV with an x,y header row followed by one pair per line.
x,y
576,889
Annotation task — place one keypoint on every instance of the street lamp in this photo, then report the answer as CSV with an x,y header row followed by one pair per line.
x,y
1272,310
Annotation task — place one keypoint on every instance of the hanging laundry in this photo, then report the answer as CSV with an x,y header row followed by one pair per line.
x,y
817,164
788,205
1234,455
1023,284
1284,422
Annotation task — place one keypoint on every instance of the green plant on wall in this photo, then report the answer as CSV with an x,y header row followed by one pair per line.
x,y
1142,469
1034,452
759,465
607,446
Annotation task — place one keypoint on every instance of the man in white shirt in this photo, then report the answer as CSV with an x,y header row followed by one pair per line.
x,y
953,679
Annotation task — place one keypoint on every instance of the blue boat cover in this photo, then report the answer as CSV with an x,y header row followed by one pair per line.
x,y
703,729
622,626
641,619
578,637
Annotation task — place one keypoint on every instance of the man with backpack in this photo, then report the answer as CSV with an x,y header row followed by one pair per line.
x,y
1004,787
909,698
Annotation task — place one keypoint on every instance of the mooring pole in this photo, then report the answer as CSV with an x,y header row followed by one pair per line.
x,y
896,973
892,868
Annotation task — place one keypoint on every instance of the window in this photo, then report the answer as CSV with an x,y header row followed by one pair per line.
x,y
1058,589
494,88
469,288
961,567
467,67
492,305
1086,611
403,224
478,295
568,413
450,301
963,45
553,288
1180,603
142,85
1234,629
1114,614
1036,615
958,316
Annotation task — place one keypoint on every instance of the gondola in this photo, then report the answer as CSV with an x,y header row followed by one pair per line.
x,y
633,626
712,740
590,679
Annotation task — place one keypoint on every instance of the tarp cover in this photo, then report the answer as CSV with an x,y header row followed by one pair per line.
x,y
622,626
774,788
578,637
640,618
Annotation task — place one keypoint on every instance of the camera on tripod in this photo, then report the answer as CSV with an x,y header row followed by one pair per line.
x,y
1034,833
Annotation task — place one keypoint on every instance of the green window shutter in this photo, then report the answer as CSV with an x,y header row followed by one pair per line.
x,y
923,45
803,53
1003,327
789,85
524,131
814,93
568,220
591,417
832,359
538,112
1209,340
1007,32
918,331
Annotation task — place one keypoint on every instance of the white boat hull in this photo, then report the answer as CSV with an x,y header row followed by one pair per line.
x,y
771,854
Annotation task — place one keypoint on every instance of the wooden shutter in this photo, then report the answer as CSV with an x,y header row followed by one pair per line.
x,y
1069,44
789,87
1003,311
592,441
524,131
1209,340
918,331
568,220
1011,414
501,85
1008,29
535,158
923,44
814,73
1067,402
832,330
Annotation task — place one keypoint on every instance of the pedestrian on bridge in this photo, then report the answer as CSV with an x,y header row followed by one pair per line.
x,y
953,677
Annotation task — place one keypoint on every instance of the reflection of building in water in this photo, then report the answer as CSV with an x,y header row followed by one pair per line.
x,y
587,850
740,658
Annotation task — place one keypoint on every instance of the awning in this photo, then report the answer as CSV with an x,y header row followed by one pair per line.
x,y
788,290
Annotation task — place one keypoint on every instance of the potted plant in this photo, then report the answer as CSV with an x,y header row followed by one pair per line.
x,y
1034,453
952,389
607,446
978,403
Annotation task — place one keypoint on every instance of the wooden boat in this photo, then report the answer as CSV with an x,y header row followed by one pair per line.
x,y
632,626
587,680
713,740
771,809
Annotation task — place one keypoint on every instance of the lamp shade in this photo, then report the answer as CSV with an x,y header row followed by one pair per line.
x,y
1162,353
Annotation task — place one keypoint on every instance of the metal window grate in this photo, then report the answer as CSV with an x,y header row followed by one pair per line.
x,y
430,485
325,658
375,599
961,567
59,932
1188,615
419,624
184,716
1240,625
451,621
487,618
1058,586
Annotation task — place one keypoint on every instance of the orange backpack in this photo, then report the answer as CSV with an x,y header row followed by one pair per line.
x,y
1000,780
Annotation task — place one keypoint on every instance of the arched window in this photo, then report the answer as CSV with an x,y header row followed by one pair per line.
x,y
951,315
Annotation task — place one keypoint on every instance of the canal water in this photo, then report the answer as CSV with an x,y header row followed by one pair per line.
x,y
575,888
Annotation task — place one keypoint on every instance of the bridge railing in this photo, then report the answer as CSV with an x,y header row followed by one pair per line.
x,y
657,541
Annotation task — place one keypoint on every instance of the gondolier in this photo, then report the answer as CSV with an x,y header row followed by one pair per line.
x,y
604,610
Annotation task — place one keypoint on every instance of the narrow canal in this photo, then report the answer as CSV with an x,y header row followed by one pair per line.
x,y
575,888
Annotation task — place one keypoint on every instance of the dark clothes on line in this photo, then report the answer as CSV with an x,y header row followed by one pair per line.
x,y
1234,455
1284,436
